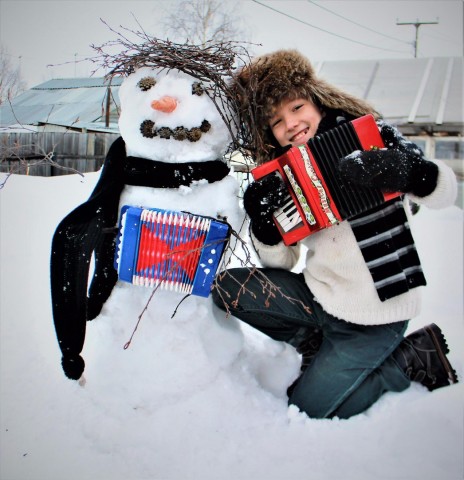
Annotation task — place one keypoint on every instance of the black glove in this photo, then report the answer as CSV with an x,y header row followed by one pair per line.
x,y
73,366
401,167
260,201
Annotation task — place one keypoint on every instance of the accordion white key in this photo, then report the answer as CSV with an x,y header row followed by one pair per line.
x,y
174,250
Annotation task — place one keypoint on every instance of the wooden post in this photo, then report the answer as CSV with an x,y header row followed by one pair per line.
x,y
108,106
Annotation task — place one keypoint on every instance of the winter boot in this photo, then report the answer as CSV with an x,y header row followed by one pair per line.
x,y
422,357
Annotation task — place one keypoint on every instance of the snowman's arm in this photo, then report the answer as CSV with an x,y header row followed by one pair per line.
x,y
72,246
104,277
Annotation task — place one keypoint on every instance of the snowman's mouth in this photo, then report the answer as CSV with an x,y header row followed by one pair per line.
x,y
149,130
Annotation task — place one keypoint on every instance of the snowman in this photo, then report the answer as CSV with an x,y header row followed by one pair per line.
x,y
170,156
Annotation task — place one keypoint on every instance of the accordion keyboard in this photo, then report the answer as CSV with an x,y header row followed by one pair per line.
x,y
288,216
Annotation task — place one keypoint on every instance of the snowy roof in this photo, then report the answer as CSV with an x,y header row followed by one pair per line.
x,y
70,102
68,83
419,95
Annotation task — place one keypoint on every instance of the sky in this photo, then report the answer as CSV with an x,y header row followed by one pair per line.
x,y
51,39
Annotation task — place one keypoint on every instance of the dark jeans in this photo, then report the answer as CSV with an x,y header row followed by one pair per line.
x,y
353,367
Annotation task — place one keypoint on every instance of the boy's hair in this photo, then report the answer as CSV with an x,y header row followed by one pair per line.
x,y
269,79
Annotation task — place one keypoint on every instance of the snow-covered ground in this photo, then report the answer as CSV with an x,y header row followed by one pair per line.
x,y
141,416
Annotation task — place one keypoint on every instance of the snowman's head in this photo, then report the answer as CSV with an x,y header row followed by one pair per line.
x,y
167,115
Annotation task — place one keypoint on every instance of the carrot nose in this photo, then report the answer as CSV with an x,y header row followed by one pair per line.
x,y
164,104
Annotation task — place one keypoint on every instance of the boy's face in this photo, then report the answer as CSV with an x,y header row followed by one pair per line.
x,y
295,122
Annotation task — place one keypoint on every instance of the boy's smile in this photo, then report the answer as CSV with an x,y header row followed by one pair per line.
x,y
300,135
294,122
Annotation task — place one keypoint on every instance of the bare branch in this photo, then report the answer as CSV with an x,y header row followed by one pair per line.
x,y
197,21
270,289
213,63
11,83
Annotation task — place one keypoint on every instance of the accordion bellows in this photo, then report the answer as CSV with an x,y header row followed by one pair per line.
x,y
174,250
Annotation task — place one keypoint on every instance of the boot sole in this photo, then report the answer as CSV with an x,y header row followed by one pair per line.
x,y
442,349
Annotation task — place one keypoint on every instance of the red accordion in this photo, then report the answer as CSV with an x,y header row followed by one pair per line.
x,y
319,196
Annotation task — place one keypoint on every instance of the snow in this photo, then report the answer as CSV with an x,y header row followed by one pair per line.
x,y
194,397
174,389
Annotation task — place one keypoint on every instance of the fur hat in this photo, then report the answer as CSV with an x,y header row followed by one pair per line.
x,y
284,75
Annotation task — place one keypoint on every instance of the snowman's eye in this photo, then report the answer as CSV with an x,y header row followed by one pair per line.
x,y
197,89
146,83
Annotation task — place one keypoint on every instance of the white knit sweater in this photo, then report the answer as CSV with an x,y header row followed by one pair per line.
x,y
337,275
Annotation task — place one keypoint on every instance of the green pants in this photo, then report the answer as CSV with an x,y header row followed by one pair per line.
x,y
353,367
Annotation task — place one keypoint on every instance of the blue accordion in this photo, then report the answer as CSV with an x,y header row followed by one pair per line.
x,y
172,250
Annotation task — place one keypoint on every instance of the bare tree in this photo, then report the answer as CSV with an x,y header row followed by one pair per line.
x,y
11,83
197,21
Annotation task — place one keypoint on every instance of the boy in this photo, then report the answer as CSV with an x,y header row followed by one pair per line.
x,y
352,340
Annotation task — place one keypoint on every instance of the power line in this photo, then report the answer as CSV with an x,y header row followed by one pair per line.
x,y
358,24
326,31
442,38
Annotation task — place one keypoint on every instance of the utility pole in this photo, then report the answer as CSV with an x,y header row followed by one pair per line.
x,y
417,24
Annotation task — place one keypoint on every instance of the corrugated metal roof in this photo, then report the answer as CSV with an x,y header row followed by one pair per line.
x,y
64,83
420,94
60,102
